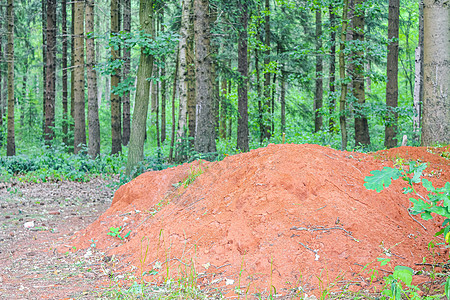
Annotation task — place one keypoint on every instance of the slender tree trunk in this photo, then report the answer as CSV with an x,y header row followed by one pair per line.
x,y
93,119
362,136
79,98
283,100
163,89
318,100
44,60
50,78
2,21
390,132
418,88
332,103
174,92
184,83
64,71
342,104
116,128
242,130
436,105
139,122
223,110
205,134
126,114
72,71
267,94
10,141
260,98
190,75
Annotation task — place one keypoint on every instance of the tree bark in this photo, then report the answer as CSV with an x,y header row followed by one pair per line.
x,y
205,134
418,87
10,140
190,75
332,102
174,92
267,93
64,72
436,105
362,136
79,83
223,109
44,59
93,119
242,130
50,78
139,122
2,23
126,114
318,100
390,132
163,88
342,104
116,127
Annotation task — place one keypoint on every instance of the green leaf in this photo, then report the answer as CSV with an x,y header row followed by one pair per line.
x,y
447,287
427,216
381,179
404,274
126,235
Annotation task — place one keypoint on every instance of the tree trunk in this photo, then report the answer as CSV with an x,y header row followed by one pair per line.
x,y
332,103
79,98
116,127
93,119
64,72
418,87
139,122
260,97
50,78
390,132
126,114
267,93
223,110
205,134
342,104
183,65
283,100
242,130
72,71
11,141
361,125
44,60
3,22
436,104
318,100
163,88
174,92
190,75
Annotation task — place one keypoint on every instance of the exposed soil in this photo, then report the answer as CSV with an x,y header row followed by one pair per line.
x,y
30,266
291,217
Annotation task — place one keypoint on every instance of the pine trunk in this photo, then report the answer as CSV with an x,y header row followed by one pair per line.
x,y
126,114
332,103
64,71
79,83
318,100
390,132
163,89
116,127
50,78
191,76
11,140
266,106
342,101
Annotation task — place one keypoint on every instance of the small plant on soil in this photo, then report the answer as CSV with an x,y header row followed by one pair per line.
x,y
437,201
115,231
193,174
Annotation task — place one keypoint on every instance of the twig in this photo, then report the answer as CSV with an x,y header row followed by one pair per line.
x,y
409,213
325,229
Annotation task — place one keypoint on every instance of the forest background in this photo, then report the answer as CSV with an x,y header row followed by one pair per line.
x,y
205,79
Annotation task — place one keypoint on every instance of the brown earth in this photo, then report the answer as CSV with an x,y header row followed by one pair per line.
x,y
291,217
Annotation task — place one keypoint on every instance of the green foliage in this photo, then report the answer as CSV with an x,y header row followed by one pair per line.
x,y
381,179
115,232
193,174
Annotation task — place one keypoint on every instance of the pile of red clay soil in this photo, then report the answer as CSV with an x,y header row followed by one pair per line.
x,y
289,217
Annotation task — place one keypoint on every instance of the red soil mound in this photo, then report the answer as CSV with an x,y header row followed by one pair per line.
x,y
283,216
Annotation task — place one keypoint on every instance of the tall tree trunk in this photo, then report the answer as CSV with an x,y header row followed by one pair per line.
x,y
390,132
418,85
362,136
283,100
332,103
318,99
242,129
223,110
163,88
72,71
139,122
49,105
3,22
44,60
116,128
436,104
190,75
205,134
93,119
10,141
79,98
260,98
126,114
342,101
174,92
64,71
184,83
267,94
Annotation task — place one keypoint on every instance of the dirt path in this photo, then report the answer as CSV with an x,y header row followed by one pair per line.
x,y
35,220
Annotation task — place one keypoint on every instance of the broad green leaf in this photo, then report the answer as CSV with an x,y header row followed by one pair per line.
x,y
381,179
418,170
447,287
426,216
428,185
418,206
404,274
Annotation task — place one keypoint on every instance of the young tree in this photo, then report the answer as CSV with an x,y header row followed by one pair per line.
x,y
436,105
79,98
242,129
190,75
126,114
332,101
44,56
10,141
116,127
49,105
64,71
266,106
318,99
93,119
362,136
342,104
392,75
205,133
139,122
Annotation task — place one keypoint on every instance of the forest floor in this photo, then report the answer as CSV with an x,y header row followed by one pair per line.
x,y
36,219
290,220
